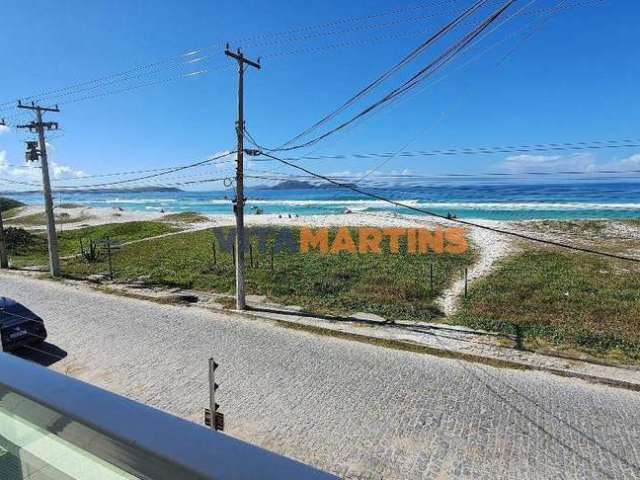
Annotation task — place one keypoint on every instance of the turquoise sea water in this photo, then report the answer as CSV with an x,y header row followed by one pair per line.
x,y
502,201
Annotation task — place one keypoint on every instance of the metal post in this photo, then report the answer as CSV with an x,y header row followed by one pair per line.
x,y
215,257
212,392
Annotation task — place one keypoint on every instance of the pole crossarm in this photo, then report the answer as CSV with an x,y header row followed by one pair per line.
x,y
35,107
33,126
238,55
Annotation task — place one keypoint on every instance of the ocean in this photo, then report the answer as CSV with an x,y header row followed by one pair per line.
x,y
498,201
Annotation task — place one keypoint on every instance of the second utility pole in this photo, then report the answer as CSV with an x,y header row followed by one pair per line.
x,y
4,257
240,199
39,126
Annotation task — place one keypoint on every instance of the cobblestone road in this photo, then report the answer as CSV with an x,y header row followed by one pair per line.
x,y
355,410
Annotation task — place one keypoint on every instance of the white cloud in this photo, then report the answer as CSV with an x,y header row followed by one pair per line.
x,y
57,171
629,163
370,174
4,129
549,163
4,165
31,173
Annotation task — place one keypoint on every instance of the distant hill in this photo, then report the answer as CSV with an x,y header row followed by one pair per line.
x,y
9,203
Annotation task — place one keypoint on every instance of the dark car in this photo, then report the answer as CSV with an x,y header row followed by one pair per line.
x,y
19,326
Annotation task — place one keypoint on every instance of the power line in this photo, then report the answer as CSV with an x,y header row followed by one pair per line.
x,y
154,175
429,69
190,57
444,217
543,18
135,172
548,11
457,175
415,53
538,147
521,11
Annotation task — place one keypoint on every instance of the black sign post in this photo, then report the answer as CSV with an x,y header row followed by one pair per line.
x,y
218,423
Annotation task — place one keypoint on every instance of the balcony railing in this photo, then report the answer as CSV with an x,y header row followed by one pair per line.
x,y
54,427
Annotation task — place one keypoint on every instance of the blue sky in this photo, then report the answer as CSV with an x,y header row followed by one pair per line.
x,y
572,80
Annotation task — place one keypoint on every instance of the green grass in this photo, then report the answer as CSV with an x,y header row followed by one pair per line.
x,y
12,212
571,226
395,286
185,217
69,240
635,222
567,300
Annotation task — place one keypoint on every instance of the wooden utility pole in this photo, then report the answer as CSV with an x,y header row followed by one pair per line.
x,y
240,199
4,257
41,153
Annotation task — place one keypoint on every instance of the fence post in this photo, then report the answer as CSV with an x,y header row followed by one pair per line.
x,y
215,257
271,254
465,282
109,257
233,254
251,254
431,277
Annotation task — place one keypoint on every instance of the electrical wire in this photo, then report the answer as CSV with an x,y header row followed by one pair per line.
x,y
538,147
460,175
411,82
415,53
190,57
153,175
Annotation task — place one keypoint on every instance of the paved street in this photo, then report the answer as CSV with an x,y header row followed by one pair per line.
x,y
353,409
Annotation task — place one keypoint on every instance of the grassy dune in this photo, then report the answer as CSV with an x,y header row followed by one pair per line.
x,y
392,285
561,299
69,241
